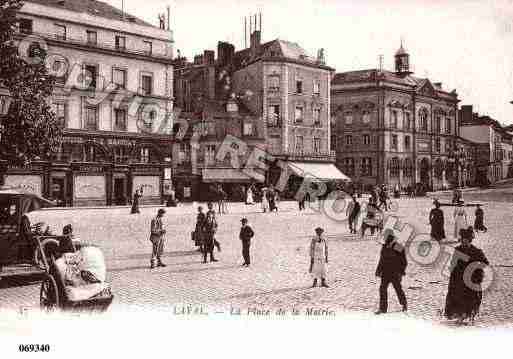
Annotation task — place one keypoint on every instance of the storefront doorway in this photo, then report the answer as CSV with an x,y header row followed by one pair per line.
x,y
119,193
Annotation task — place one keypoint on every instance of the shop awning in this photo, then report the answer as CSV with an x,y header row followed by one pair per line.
x,y
225,175
320,171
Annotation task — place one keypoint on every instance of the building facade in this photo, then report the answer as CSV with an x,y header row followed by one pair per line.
x,y
113,99
488,135
394,128
269,101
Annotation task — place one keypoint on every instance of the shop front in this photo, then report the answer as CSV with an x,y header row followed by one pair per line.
x,y
89,184
148,179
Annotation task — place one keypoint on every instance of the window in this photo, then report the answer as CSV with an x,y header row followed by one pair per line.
x,y
146,85
299,114
316,88
119,119
148,47
25,26
91,73
121,154
423,115
144,155
394,167
447,125
299,86
317,145
120,43
438,124
147,119
274,83
333,142
349,166
210,154
348,118
299,144
366,139
394,142
393,120
60,32
366,166
247,129
437,145
60,114
349,140
273,118
366,116
59,69
91,118
317,116
407,143
92,37
447,147
34,50
119,77
407,121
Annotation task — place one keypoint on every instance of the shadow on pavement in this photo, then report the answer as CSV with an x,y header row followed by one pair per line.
x,y
138,267
164,255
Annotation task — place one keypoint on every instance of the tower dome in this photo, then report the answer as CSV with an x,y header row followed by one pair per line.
x,y
402,61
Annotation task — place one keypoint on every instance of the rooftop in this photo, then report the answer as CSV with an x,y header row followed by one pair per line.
x,y
94,8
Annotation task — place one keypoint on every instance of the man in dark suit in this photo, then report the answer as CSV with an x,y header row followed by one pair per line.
x,y
246,233
391,268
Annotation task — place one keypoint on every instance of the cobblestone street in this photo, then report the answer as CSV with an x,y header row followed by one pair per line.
x,y
278,275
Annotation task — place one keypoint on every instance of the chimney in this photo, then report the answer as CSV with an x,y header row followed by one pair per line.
x,y
438,85
255,43
209,57
225,53
467,114
198,60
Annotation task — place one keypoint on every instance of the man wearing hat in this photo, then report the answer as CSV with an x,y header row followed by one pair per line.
x,y
391,268
319,258
157,239
246,233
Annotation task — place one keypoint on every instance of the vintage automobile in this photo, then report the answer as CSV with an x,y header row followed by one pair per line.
x,y
26,249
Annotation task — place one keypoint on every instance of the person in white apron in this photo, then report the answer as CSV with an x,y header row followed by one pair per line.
x,y
265,202
319,258
460,219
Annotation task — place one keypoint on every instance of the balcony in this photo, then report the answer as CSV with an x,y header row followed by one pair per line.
x,y
326,156
97,45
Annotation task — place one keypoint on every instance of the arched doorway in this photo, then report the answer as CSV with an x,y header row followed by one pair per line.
x,y
424,172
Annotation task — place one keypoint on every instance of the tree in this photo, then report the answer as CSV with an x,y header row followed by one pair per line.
x,y
29,129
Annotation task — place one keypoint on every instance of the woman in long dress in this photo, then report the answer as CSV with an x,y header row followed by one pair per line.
x,y
436,220
460,219
249,196
319,258
464,293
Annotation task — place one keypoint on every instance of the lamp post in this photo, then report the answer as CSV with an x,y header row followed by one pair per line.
x,y
456,158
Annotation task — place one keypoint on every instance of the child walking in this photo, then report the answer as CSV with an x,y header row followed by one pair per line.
x,y
319,258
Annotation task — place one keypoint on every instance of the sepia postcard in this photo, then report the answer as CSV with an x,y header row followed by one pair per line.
x,y
241,178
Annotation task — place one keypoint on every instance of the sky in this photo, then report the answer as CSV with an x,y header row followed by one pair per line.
x,y
466,45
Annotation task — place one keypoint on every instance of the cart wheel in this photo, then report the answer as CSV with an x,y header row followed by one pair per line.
x,y
49,247
49,297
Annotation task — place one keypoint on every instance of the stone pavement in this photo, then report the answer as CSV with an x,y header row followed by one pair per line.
x,y
278,275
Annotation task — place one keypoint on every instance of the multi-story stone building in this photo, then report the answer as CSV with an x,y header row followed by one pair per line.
x,y
272,97
113,97
394,128
488,135
292,97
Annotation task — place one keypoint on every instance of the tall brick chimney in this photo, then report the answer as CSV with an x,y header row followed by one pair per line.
x,y
254,43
